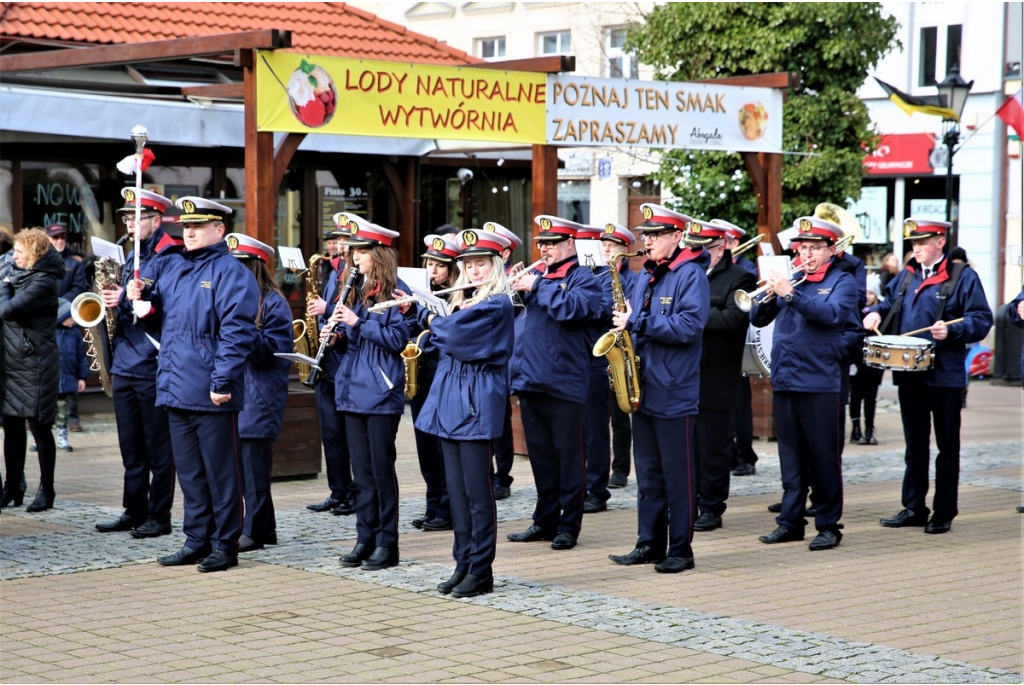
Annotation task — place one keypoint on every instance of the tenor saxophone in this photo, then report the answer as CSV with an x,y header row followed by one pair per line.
x,y
99,322
306,332
617,348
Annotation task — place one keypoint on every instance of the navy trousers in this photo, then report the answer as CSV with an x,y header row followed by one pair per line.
x,y
810,434
474,516
257,462
504,450
332,433
622,439
714,460
207,454
428,451
920,406
371,442
145,439
663,453
743,427
554,436
597,432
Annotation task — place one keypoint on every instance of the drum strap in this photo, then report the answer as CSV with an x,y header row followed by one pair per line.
x,y
947,288
893,318
945,291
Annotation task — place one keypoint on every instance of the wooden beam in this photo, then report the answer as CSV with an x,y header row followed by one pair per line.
x,y
544,187
260,192
216,91
786,79
283,155
155,51
765,170
551,64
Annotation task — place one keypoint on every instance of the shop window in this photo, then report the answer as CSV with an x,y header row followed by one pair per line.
x,y
7,194
58,193
574,200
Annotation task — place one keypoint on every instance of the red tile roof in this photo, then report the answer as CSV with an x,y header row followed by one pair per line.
x,y
325,28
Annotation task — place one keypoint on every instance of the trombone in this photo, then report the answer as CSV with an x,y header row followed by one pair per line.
x,y
747,245
746,301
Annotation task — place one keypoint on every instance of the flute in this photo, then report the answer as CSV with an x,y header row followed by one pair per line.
x,y
525,271
409,299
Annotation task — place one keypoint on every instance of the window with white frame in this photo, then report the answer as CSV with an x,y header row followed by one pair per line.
x,y
621,64
490,48
556,43
935,52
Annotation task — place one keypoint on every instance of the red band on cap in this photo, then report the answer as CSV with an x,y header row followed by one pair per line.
x,y
669,220
370,234
254,251
483,243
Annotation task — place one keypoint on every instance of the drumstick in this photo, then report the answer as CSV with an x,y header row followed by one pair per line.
x,y
922,330
877,332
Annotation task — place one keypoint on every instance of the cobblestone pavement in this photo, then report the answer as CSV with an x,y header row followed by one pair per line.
x,y
886,606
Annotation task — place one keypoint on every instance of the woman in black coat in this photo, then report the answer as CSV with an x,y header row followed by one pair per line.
x,y
31,363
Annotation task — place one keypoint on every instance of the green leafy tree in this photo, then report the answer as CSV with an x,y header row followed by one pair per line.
x,y
826,128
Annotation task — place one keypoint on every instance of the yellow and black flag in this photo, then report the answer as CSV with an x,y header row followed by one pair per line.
x,y
928,104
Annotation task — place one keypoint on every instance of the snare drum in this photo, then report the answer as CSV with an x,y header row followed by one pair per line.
x,y
899,353
757,353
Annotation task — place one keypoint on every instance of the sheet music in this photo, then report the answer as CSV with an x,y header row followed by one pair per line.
x,y
778,263
589,253
291,258
432,303
414,278
104,248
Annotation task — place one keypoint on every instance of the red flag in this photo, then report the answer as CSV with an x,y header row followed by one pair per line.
x,y
1012,112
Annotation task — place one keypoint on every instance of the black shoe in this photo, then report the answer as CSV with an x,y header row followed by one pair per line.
x,y
594,504
42,502
856,437
123,523
382,557
532,534
905,519
12,496
151,529
641,555
783,534
744,469
707,521
437,524
826,539
674,565
219,560
869,435
811,511
618,480
344,508
775,508
447,586
938,526
355,558
247,544
564,540
502,492
1020,508
183,557
420,520
326,505
471,586
271,538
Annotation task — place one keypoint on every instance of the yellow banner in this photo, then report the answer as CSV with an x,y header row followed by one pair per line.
x,y
318,94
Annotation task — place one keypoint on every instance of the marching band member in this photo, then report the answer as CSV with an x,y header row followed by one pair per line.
x,y
928,292
208,306
666,315
504,448
550,373
721,363
342,499
439,261
266,392
807,353
743,455
369,392
617,239
142,430
466,403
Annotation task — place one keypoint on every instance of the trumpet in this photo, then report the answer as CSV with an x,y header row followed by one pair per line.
x,y
747,245
409,299
746,301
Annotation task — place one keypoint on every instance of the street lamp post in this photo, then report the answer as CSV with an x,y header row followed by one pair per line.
x,y
953,91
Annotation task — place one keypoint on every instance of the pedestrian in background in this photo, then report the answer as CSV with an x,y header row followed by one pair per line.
x,y
74,369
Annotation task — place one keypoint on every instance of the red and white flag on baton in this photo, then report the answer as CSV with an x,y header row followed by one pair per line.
x,y
127,165
1012,112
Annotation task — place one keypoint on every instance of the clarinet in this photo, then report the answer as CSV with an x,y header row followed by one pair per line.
x,y
315,372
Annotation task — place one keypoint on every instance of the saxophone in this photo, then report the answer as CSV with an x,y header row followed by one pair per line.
x,y
617,348
99,322
305,331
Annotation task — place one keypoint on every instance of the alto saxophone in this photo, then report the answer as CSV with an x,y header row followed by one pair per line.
x,y
617,348
99,322
305,331
411,359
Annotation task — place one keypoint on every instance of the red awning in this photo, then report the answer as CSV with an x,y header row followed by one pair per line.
x,y
901,154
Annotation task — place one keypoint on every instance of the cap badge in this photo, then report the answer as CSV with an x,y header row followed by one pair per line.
x,y
188,206
129,196
470,238
694,228
489,226
343,219
609,228
437,244
354,227
232,242
805,225
545,224
648,213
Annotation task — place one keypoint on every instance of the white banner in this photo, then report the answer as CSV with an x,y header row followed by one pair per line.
x,y
608,112
872,211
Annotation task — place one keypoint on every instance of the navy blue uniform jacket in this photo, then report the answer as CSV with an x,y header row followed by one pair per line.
x,y
134,354
808,347
371,374
920,307
667,334
266,376
467,398
553,345
208,300
74,364
73,284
